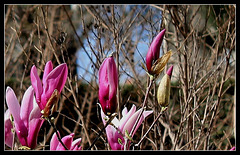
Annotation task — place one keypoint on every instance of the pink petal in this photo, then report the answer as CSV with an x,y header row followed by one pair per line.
x,y
37,85
54,142
75,144
112,134
27,105
8,126
14,109
48,68
34,128
146,113
13,104
169,71
67,140
103,83
36,111
35,123
112,77
154,50
126,117
130,123
56,79
108,81
124,111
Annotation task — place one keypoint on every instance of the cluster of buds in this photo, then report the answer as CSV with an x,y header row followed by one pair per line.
x,y
108,83
155,66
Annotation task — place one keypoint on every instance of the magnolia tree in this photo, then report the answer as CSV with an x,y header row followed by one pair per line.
x,y
119,77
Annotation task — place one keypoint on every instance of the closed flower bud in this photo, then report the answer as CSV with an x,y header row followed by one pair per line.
x,y
163,92
154,51
108,82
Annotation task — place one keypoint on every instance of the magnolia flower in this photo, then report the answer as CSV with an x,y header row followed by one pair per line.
x,y
8,129
52,82
163,92
116,136
154,51
27,118
108,82
67,141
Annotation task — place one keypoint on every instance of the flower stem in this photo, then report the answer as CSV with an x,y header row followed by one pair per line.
x,y
144,104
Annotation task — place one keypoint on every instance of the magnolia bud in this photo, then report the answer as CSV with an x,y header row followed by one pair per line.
x,y
163,93
108,82
154,51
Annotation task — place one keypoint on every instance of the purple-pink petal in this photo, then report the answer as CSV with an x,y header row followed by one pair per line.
x,y
113,136
14,109
52,79
13,104
56,79
37,85
132,120
67,140
34,128
169,71
75,144
47,69
59,76
154,50
54,141
8,129
108,82
126,117
35,123
27,105
27,118
126,123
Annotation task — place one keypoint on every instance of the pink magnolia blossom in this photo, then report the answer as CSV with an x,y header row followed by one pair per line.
x,y
52,79
27,117
8,129
115,136
67,140
108,82
154,50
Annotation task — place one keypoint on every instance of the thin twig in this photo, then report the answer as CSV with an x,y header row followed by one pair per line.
x,y
154,122
143,107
